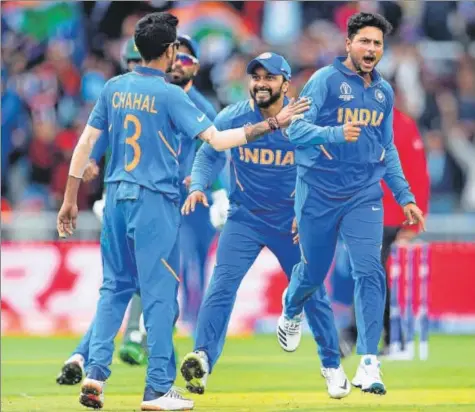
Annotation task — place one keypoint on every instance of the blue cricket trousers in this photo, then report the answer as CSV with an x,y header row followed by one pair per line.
x,y
196,235
140,251
239,245
359,220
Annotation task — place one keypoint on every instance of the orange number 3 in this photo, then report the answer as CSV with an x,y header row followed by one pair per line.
x,y
132,141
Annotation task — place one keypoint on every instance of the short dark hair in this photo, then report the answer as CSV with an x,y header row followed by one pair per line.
x,y
361,20
154,33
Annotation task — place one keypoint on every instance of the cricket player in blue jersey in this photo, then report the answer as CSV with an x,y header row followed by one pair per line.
x,y
72,370
338,188
263,177
196,230
144,116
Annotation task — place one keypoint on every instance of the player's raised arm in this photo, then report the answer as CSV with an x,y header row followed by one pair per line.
x,y
304,132
227,139
192,122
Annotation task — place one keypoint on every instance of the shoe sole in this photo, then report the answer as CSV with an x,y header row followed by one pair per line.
x,y
376,388
71,374
90,397
192,372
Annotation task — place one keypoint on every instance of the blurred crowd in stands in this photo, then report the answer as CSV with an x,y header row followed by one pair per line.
x,y
56,57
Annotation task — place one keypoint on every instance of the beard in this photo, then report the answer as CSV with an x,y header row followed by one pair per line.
x,y
264,104
178,78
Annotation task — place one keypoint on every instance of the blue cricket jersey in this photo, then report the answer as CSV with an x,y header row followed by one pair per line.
x,y
324,160
145,117
263,172
188,146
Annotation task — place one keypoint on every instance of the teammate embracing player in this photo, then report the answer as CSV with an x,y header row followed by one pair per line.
x,y
263,177
144,116
338,188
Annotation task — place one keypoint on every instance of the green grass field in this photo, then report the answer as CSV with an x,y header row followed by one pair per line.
x,y
252,375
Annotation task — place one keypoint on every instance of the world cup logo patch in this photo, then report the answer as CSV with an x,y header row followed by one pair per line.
x,y
345,92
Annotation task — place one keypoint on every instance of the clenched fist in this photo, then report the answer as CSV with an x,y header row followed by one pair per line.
x,y
352,130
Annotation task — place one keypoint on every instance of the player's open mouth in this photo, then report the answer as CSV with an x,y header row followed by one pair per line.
x,y
263,93
369,60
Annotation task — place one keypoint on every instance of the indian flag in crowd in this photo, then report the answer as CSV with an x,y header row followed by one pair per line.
x,y
217,28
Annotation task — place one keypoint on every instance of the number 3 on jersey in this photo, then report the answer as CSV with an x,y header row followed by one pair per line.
x,y
132,141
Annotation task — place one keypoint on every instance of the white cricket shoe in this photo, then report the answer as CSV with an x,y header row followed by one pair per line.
x,y
338,385
289,331
195,370
92,393
72,371
368,376
171,401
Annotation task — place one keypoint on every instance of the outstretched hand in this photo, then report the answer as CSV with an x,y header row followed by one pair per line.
x,y
294,108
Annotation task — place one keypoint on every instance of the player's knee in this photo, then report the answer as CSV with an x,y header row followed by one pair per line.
x,y
312,274
219,293
320,293
372,274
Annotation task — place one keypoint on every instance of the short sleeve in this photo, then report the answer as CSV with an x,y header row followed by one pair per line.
x,y
98,116
187,118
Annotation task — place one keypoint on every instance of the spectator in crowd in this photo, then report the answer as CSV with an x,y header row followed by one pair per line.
x,y
49,77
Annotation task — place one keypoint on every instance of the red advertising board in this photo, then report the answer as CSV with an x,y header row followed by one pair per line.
x,y
52,287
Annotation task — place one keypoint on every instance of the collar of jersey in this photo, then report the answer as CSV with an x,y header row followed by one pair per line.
x,y
148,71
338,63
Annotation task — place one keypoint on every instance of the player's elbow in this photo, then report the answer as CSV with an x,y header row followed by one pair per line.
x,y
217,143
214,138
219,147
294,132
83,146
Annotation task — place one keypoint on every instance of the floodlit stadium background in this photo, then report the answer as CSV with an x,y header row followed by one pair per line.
x,y
56,56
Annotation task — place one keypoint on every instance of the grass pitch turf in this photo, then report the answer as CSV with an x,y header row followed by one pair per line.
x,y
253,374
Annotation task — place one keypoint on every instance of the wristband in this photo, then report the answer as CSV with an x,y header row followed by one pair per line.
x,y
273,123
